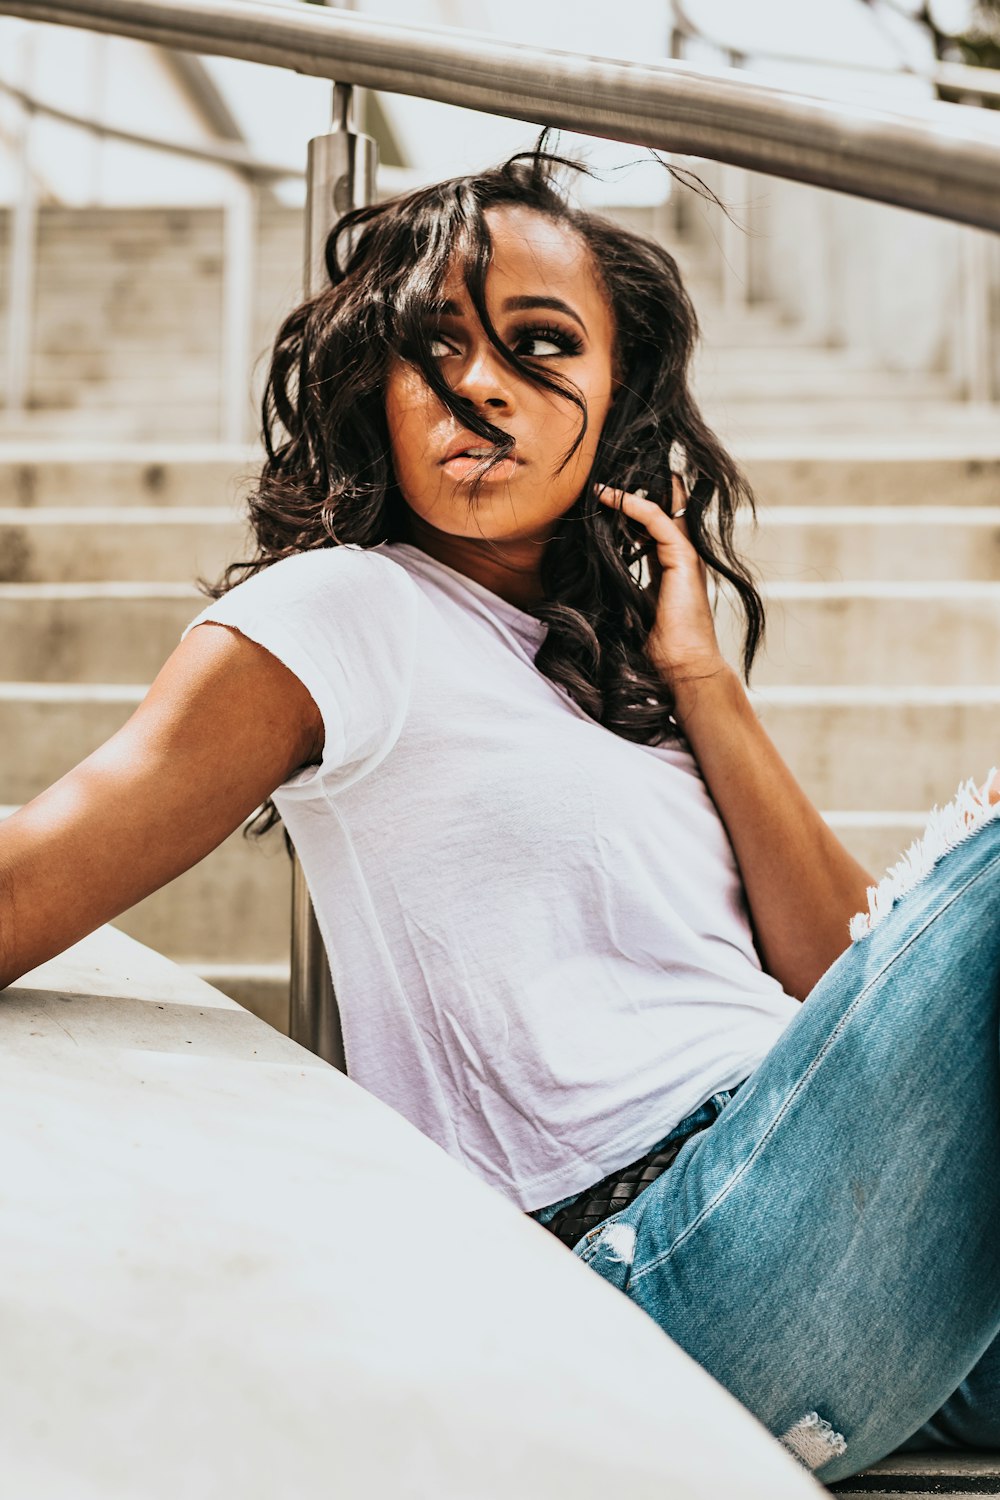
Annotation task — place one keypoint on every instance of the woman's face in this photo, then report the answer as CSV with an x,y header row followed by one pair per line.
x,y
548,306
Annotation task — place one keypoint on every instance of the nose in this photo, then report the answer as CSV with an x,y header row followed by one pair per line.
x,y
484,379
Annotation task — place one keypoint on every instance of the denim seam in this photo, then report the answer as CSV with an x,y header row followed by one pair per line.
x,y
689,1229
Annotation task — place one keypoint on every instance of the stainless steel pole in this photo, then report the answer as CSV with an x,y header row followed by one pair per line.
x,y
944,164
239,221
735,238
22,252
340,176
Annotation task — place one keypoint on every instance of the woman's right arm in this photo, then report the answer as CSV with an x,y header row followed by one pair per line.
x,y
223,725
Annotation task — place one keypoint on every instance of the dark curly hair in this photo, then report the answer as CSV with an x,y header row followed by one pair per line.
x,y
328,477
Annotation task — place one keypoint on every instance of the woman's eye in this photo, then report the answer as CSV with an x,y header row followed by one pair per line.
x,y
439,347
544,343
538,348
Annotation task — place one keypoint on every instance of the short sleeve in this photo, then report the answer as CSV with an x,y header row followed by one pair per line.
x,y
343,620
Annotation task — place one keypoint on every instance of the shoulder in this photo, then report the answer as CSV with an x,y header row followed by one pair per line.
x,y
330,567
334,581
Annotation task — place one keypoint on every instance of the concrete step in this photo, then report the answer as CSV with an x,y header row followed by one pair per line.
x,y
755,327
824,634
911,543
884,749
110,544
790,544
741,424
864,474
185,385
69,475
260,988
234,907
154,425
781,356
128,219
144,329
90,315
877,839
847,422
147,292
874,472
186,405
721,381
79,632
45,729
914,633
944,1475
116,365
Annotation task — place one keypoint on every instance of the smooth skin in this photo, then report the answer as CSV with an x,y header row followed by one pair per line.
x,y
225,723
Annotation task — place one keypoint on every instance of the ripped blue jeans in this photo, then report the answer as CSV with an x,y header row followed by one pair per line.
x,y
829,1249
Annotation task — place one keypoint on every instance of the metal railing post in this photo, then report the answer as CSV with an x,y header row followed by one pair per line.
x,y
340,176
238,267
23,238
974,322
735,238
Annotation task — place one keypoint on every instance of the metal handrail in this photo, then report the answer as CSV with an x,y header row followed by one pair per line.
x,y
963,78
946,170
957,78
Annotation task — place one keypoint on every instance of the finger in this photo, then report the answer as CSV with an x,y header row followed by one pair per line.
x,y
679,503
664,530
678,511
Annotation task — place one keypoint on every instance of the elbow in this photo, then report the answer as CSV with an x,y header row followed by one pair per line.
x,y
9,969
801,960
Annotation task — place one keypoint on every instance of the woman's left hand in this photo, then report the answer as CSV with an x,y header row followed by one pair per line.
x,y
682,643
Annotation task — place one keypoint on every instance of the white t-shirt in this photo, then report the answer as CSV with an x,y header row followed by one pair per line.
x,y
536,929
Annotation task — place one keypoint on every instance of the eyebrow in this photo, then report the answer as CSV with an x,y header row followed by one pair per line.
x,y
521,304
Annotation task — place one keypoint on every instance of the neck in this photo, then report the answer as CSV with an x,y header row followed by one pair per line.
x,y
510,569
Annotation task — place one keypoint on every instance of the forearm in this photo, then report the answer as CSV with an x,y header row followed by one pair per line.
x,y
7,958
802,885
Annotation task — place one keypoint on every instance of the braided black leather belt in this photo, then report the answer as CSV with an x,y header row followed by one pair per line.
x,y
616,1191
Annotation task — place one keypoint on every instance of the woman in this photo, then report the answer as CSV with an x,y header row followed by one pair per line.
x,y
571,895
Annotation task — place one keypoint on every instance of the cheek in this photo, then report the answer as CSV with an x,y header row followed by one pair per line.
x,y
598,406
406,417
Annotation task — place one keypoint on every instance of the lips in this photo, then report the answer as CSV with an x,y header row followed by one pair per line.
x,y
472,448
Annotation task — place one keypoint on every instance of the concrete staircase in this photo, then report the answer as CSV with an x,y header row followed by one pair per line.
x,y
93,598
881,676
128,339
879,542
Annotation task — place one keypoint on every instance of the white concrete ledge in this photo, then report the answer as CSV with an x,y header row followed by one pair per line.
x,y
227,1271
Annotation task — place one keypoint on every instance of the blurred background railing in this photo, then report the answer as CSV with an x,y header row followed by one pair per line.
x,y
151,238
